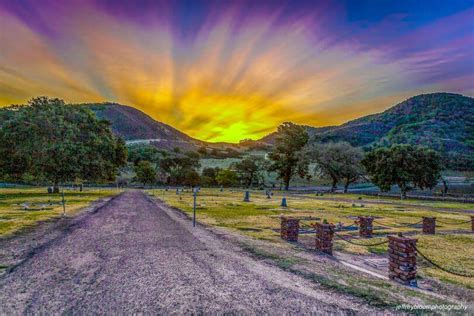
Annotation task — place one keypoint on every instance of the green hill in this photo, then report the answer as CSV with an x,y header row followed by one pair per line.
x,y
442,121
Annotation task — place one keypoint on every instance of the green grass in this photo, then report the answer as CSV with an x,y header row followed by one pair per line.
x,y
14,217
260,219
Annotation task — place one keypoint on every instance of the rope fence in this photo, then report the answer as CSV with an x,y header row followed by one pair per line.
x,y
453,223
357,244
398,226
469,275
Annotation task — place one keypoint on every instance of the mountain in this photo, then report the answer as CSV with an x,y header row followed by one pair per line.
x,y
135,126
442,121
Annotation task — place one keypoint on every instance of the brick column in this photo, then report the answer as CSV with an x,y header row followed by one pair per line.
x,y
402,259
429,225
324,236
365,226
289,228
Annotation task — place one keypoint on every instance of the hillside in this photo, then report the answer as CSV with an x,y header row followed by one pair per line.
x,y
442,121
135,127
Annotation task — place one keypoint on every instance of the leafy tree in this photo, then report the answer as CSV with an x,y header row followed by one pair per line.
x,y
137,153
47,140
145,172
339,162
191,178
227,177
175,165
250,170
404,165
288,156
208,176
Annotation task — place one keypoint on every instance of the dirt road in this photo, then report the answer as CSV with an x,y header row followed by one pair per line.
x,y
136,255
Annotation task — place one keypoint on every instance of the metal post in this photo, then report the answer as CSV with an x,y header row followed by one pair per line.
x,y
194,207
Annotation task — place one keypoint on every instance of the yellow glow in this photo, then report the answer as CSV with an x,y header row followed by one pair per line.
x,y
226,85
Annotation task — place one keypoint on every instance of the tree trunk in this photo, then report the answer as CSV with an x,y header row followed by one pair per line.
x,y
346,186
445,187
403,194
56,187
334,185
286,181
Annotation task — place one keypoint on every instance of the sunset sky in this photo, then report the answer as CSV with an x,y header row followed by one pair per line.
x,y
228,70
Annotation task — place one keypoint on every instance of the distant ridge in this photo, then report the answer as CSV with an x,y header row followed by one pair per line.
x,y
442,121
134,126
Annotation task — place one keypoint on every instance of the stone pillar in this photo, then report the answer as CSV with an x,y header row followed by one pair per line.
x,y
289,228
429,225
247,196
283,202
365,226
324,236
402,259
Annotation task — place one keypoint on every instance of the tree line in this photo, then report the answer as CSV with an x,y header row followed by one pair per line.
x,y
406,166
47,140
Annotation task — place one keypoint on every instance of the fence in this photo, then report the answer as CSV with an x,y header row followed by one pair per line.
x,y
402,251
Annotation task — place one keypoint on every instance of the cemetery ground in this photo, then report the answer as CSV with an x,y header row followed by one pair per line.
x,y
358,270
134,255
23,208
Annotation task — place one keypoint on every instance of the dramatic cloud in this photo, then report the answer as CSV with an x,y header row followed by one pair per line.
x,y
224,71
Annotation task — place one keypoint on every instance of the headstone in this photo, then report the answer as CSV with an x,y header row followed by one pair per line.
x,y
402,259
50,190
283,202
247,196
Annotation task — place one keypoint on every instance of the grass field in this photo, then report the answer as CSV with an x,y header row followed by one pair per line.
x,y
260,219
23,208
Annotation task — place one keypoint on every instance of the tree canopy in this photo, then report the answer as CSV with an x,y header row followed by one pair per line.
x,y
47,140
404,165
145,173
250,170
288,155
340,162
227,177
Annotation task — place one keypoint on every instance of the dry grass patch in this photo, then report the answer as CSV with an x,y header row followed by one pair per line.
x,y
259,219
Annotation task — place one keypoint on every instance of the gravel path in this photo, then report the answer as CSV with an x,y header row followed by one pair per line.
x,y
135,255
